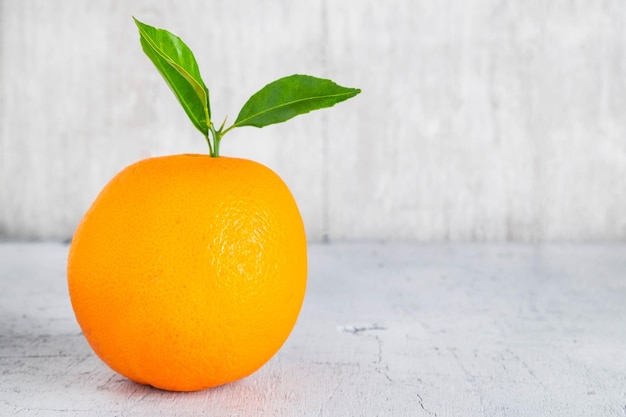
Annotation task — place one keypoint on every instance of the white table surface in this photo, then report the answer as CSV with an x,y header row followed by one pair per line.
x,y
386,330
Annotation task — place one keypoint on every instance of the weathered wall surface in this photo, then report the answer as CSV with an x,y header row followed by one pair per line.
x,y
479,120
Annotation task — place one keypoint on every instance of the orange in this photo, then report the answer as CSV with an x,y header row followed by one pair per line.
x,y
188,271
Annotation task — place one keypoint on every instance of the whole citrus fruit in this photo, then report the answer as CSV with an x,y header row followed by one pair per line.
x,y
189,271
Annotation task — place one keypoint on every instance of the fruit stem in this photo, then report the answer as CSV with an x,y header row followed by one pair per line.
x,y
216,147
214,138
217,137
208,141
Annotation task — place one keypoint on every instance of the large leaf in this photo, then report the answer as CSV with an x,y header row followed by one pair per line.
x,y
179,68
290,96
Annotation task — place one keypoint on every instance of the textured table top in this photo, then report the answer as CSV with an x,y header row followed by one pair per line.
x,y
386,330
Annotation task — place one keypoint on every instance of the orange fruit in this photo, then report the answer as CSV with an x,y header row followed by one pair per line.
x,y
188,271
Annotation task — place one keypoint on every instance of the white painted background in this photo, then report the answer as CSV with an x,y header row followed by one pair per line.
x,y
479,119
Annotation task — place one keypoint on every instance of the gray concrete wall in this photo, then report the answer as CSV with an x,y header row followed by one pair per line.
x,y
479,120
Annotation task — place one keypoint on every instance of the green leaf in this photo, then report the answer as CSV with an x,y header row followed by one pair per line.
x,y
179,68
290,96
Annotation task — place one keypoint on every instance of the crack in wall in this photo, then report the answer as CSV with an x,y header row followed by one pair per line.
x,y
355,329
379,368
328,399
420,400
528,369
471,380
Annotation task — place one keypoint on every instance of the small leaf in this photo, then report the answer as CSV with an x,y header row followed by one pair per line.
x,y
179,68
290,96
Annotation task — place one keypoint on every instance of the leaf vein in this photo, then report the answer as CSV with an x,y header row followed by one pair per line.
x,y
177,67
241,122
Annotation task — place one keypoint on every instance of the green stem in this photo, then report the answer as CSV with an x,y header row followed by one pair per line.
x,y
216,147
208,141
214,138
217,137
227,129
